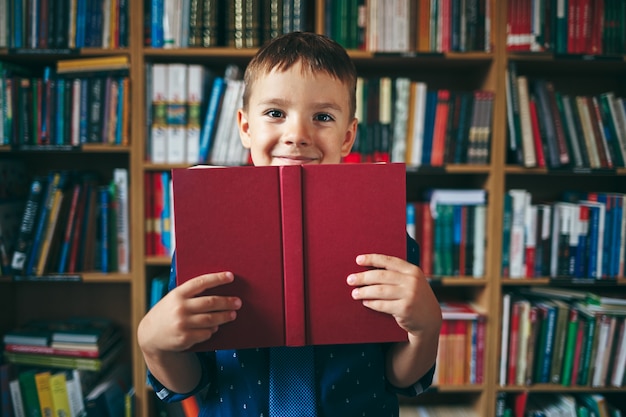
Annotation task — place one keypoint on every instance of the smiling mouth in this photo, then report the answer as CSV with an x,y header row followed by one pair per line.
x,y
294,160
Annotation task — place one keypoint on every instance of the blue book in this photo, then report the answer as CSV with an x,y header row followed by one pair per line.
x,y
429,125
156,24
120,111
84,109
81,16
54,179
60,112
617,235
211,117
507,218
102,242
166,221
546,346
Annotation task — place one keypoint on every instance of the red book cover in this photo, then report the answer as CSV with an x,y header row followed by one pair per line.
x,y
291,235
481,340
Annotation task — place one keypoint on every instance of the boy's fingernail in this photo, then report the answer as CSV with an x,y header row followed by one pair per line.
x,y
351,279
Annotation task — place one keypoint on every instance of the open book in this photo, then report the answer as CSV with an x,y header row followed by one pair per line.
x,y
291,235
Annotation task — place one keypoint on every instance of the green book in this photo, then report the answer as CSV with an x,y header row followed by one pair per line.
x,y
29,393
570,347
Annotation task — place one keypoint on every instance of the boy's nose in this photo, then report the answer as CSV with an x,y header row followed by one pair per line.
x,y
297,133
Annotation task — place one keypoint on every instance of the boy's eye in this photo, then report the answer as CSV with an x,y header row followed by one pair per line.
x,y
324,117
275,113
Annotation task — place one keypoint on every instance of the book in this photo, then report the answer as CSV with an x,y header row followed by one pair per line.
x,y
44,393
28,389
26,232
301,239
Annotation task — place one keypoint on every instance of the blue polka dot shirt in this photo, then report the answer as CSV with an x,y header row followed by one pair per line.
x,y
349,379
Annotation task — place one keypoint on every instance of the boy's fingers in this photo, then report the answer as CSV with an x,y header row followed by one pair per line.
x,y
385,262
210,303
201,283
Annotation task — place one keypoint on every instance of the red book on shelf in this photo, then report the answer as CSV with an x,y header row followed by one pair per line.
x,y
290,235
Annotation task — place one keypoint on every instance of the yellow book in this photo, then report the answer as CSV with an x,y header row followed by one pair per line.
x,y
60,400
93,64
44,393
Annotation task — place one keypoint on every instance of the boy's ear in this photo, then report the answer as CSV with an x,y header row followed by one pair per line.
x,y
349,137
244,128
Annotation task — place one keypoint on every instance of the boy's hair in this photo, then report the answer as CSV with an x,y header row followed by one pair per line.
x,y
315,53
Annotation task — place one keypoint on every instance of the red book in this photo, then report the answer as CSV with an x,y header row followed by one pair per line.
x,y
534,122
290,235
513,343
148,213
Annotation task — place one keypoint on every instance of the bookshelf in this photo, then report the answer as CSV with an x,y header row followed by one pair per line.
x,y
124,297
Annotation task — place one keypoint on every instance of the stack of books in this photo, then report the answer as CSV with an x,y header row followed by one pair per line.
x,y
75,343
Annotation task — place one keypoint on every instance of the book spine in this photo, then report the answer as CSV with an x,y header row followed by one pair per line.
x,y
293,250
26,232
120,178
58,390
16,398
211,118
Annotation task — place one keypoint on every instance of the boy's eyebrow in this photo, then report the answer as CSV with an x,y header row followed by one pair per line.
x,y
282,103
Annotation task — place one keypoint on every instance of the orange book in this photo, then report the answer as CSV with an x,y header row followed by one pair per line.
x,y
291,235
441,123
423,26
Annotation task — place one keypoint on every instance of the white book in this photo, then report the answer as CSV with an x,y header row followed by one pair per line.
x,y
75,114
400,28
619,120
176,114
158,150
504,337
221,145
520,201
522,347
480,233
602,350
419,115
195,78
16,398
400,119
106,24
528,143
235,150
4,19
120,178
585,120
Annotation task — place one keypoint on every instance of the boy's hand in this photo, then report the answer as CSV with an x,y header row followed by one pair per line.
x,y
397,287
184,318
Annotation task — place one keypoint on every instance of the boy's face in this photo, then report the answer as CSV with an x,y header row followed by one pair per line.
x,y
296,117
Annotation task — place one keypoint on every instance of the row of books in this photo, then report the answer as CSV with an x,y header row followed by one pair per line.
x,y
192,119
239,24
570,338
410,26
74,103
589,27
461,354
41,391
549,128
450,227
555,405
64,24
72,223
433,127
193,113
583,236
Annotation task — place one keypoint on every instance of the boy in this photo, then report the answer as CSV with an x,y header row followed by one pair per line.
x,y
298,107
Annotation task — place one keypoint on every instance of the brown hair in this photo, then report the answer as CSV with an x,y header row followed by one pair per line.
x,y
315,52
